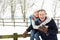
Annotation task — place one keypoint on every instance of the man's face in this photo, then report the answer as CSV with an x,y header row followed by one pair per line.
x,y
42,15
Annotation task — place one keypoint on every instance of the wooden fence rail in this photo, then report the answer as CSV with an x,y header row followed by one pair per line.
x,y
18,21
15,36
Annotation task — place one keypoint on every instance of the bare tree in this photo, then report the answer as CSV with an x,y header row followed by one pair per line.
x,y
56,2
42,4
13,5
3,7
23,8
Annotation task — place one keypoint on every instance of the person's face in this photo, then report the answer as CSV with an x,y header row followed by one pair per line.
x,y
36,14
42,15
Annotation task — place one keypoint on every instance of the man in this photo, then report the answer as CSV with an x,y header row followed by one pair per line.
x,y
49,33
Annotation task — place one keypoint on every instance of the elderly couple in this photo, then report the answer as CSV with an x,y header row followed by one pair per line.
x,y
41,25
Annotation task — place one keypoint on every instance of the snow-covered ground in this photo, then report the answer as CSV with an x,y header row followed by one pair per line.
x,y
51,7
9,30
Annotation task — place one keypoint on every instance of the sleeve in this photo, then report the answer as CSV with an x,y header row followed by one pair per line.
x,y
29,28
52,28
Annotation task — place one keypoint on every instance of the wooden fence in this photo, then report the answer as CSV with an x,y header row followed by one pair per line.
x,y
15,36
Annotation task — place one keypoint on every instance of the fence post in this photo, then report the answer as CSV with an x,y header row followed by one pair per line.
x,y
15,36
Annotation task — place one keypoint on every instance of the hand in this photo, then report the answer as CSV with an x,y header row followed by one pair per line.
x,y
24,34
43,29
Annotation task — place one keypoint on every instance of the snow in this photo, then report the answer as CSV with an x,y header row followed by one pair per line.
x,y
31,6
10,30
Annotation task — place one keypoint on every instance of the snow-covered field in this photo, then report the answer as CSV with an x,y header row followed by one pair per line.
x,y
51,7
9,30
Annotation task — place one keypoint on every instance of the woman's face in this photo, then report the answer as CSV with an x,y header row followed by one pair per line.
x,y
36,14
42,15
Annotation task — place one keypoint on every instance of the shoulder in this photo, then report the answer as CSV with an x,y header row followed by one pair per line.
x,y
52,21
31,16
49,18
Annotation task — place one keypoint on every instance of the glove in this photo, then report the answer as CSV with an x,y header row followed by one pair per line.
x,y
25,34
43,29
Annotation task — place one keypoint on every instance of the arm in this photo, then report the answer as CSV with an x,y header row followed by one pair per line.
x,y
43,23
52,27
29,28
